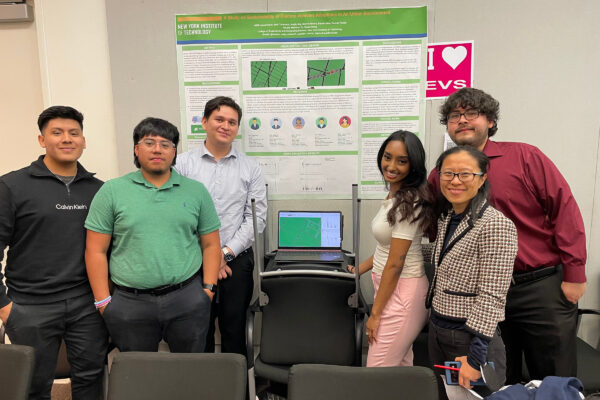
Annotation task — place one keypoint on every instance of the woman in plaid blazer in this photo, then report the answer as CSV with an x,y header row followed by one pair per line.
x,y
473,255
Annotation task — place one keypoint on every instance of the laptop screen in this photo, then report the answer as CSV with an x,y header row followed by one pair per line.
x,y
310,230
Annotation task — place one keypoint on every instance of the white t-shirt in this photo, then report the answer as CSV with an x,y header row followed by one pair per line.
x,y
383,232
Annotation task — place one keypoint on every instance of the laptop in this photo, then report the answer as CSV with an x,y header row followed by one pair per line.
x,y
309,236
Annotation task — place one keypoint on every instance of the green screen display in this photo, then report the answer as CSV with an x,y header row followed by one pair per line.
x,y
299,232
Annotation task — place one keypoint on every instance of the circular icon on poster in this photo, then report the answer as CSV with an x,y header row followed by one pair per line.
x,y
254,123
321,122
275,123
345,121
298,123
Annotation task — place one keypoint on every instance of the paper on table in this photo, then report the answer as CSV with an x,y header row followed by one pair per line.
x,y
457,392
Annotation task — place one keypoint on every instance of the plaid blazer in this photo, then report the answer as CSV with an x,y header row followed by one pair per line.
x,y
473,274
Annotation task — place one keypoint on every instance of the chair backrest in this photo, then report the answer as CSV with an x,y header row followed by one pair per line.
x,y
308,320
588,358
63,368
309,381
16,371
181,376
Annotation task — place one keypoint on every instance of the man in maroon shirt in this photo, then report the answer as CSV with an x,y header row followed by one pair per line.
x,y
549,273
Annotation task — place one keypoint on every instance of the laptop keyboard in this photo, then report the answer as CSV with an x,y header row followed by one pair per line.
x,y
310,255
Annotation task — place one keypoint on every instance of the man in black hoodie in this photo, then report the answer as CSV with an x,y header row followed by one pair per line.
x,y
42,211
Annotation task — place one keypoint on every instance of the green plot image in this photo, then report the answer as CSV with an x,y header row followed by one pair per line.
x,y
300,232
326,72
268,74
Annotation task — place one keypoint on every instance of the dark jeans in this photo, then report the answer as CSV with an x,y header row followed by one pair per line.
x,y
233,298
138,322
43,326
447,344
541,324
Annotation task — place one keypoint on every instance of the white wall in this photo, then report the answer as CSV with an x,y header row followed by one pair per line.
x,y
59,59
74,64
20,95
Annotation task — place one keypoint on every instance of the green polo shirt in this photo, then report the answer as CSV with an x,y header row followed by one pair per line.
x,y
154,230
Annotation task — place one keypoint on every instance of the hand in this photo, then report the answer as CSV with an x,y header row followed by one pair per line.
x,y
5,312
362,267
352,269
209,294
573,291
371,328
467,374
101,309
225,272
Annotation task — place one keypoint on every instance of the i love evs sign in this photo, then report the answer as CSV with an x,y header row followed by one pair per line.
x,y
449,68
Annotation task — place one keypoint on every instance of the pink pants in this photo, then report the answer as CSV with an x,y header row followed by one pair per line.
x,y
402,319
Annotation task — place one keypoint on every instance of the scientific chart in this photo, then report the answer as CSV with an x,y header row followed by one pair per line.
x,y
320,90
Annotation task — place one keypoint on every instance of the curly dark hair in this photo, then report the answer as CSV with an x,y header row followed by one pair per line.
x,y
474,98
414,191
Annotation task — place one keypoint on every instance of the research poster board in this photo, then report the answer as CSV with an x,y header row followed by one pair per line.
x,y
320,90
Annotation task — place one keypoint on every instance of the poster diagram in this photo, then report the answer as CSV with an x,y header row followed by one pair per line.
x,y
268,74
320,90
326,72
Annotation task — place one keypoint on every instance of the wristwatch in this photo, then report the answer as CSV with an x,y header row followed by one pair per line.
x,y
227,255
210,286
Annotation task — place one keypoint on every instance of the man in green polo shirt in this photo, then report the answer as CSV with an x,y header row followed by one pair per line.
x,y
154,217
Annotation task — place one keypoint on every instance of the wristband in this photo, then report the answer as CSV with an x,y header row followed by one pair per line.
x,y
210,286
102,303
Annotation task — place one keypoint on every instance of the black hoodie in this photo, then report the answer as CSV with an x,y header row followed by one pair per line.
x,y
41,222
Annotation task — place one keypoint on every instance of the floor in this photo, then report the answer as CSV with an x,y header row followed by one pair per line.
x,y
61,390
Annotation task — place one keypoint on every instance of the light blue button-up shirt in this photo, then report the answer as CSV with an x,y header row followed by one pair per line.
x,y
232,182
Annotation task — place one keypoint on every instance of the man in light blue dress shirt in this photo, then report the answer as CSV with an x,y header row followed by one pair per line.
x,y
232,178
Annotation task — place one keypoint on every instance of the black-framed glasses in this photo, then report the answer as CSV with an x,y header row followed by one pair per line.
x,y
464,177
150,143
470,115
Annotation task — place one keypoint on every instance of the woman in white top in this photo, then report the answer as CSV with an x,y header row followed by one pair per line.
x,y
399,313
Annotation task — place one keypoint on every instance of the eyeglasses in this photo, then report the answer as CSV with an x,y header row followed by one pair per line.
x,y
464,177
150,144
469,115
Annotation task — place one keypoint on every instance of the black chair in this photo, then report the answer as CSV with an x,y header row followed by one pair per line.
x,y
312,382
16,371
177,376
308,316
63,368
588,359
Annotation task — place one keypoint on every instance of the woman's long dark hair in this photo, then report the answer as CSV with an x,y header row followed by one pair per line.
x,y
443,206
414,191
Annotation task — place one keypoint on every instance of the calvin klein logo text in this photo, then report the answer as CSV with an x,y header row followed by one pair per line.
x,y
71,207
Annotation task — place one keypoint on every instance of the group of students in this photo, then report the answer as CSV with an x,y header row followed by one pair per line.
x,y
508,251
509,245
138,257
